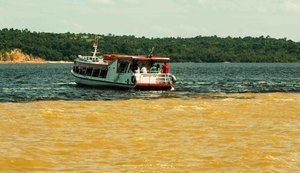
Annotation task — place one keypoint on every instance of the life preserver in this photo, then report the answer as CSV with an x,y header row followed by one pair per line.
x,y
133,79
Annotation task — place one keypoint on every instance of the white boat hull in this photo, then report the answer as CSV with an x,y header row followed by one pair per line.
x,y
98,82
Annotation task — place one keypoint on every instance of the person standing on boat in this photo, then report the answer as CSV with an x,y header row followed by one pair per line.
x,y
143,69
158,68
165,68
153,69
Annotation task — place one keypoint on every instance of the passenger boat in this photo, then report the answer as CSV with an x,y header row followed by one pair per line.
x,y
123,71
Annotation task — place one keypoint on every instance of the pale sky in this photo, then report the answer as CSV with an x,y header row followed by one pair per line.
x,y
156,18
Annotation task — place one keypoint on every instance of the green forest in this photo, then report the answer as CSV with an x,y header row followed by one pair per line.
x,y
66,46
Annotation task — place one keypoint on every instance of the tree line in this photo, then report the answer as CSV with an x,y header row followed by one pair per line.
x,y
66,46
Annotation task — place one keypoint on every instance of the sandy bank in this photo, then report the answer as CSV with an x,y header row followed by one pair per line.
x,y
16,56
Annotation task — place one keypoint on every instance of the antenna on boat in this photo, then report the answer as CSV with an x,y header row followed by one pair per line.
x,y
151,52
95,45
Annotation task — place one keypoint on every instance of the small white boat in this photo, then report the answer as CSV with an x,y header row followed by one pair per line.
x,y
123,71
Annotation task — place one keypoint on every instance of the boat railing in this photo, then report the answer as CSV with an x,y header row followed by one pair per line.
x,y
153,78
96,59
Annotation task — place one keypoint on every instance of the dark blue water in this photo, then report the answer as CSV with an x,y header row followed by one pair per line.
x,y
31,82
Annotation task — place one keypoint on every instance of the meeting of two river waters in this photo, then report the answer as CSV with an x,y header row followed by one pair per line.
x,y
221,117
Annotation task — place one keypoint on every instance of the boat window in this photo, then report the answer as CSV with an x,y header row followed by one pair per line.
x,y
89,71
82,70
122,67
76,69
96,72
103,73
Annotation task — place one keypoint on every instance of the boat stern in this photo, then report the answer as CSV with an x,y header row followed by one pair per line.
x,y
153,81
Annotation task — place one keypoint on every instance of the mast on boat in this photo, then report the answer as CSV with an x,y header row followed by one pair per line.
x,y
95,45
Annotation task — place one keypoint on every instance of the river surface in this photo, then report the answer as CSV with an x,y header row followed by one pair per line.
x,y
219,118
31,82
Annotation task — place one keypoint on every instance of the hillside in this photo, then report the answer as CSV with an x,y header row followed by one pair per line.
x,y
66,47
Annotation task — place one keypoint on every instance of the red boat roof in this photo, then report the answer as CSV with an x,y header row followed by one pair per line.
x,y
138,58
